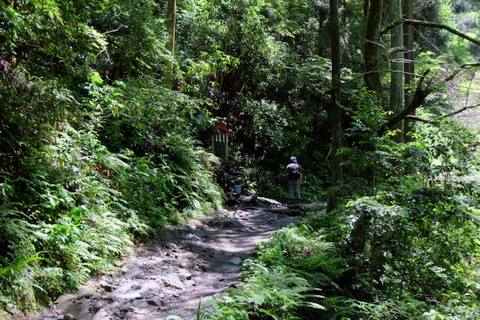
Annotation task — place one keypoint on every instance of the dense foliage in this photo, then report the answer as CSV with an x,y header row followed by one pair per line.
x,y
405,248
96,151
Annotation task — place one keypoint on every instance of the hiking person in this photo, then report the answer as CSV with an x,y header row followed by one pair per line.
x,y
294,176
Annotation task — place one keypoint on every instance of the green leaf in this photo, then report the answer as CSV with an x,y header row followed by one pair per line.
x,y
257,299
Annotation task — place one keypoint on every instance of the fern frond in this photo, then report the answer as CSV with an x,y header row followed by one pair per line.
x,y
13,223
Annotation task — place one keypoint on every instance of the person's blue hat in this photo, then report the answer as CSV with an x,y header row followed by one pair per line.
x,y
293,159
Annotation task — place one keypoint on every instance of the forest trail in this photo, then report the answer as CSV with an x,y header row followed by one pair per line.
x,y
183,267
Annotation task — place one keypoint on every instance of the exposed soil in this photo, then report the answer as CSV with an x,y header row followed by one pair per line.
x,y
180,269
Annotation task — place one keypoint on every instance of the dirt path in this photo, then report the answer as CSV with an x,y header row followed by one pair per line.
x,y
185,266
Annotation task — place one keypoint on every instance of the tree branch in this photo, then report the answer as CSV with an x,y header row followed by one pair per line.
x,y
463,66
459,111
417,100
429,24
112,31
346,109
415,118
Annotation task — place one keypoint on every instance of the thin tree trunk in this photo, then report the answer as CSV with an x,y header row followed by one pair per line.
x,y
409,65
171,29
397,82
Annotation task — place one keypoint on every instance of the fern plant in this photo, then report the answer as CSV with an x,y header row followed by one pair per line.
x,y
17,275
278,292
73,228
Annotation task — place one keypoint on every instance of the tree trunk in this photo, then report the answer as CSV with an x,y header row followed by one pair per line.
x,y
335,111
397,82
409,65
171,29
372,38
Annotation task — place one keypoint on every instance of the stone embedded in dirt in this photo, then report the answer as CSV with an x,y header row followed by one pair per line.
x,y
129,291
236,260
193,237
173,281
184,274
107,287
154,302
153,286
64,301
223,223
95,307
135,274
77,310
128,287
101,315
127,307
86,292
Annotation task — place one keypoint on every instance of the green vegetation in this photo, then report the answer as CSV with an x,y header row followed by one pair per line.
x,y
405,247
93,151
97,152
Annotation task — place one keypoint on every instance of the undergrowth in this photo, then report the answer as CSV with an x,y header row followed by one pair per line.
x,y
70,206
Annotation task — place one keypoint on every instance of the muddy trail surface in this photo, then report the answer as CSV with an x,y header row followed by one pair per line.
x,y
183,267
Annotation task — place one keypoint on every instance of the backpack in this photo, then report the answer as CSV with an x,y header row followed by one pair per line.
x,y
293,171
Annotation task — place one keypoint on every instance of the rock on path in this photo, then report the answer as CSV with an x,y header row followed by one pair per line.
x,y
184,267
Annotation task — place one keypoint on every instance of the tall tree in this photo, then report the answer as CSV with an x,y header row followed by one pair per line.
x,y
335,111
409,66
372,44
